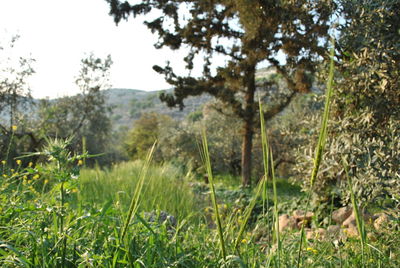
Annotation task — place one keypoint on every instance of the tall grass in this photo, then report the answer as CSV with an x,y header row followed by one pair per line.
x,y
357,214
269,162
321,139
165,188
207,163
138,191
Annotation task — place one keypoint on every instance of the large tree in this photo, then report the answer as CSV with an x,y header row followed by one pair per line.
x,y
246,33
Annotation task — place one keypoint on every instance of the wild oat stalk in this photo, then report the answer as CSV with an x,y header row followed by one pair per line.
x,y
207,163
138,190
276,212
262,185
269,161
265,146
248,211
321,139
359,218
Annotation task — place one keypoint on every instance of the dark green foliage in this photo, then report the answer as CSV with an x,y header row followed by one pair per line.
x,y
366,110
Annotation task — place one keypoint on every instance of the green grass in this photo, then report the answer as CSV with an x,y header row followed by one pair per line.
x,y
95,213
165,188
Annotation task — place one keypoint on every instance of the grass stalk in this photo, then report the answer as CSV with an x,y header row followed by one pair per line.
x,y
136,196
248,211
276,211
206,159
265,146
358,216
321,139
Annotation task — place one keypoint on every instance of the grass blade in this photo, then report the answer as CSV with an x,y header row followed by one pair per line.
x,y
359,218
206,158
265,146
136,196
321,139
276,212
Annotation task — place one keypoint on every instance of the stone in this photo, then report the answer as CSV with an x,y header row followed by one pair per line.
x,y
350,221
309,234
351,231
318,234
300,224
162,218
371,237
333,230
300,215
381,221
287,223
341,214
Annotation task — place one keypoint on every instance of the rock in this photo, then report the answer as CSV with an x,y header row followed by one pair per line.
x,y
350,221
351,231
300,215
371,237
341,214
161,218
381,221
309,234
318,234
287,223
333,230
300,224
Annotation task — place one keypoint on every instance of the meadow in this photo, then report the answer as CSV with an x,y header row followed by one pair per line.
x,y
67,217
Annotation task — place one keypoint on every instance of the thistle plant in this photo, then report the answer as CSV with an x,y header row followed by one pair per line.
x,y
62,167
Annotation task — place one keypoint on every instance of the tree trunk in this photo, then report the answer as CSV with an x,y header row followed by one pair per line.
x,y
247,143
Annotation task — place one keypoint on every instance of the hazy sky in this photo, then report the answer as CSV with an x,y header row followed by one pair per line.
x,y
58,33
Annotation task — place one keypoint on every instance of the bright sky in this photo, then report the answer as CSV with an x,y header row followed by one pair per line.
x,y
58,33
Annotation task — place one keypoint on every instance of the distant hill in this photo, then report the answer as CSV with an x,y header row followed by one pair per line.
x,y
129,104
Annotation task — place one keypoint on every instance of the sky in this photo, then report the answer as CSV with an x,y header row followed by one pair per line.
x,y
59,33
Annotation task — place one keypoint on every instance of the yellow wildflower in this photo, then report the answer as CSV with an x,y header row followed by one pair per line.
x,y
46,181
80,162
3,162
5,175
12,170
312,250
244,241
36,177
30,164
14,128
19,162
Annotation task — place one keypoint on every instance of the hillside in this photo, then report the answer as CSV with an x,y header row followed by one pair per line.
x,y
129,104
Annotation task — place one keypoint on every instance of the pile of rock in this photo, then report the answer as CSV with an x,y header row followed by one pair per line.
x,y
345,219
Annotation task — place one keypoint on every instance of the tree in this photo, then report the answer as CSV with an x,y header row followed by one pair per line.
x,y
84,116
14,95
364,132
246,33
147,129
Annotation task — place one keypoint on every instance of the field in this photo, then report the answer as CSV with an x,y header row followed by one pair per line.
x,y
64,215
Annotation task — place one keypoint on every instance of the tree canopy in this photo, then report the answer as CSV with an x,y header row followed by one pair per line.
x,y
288,35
